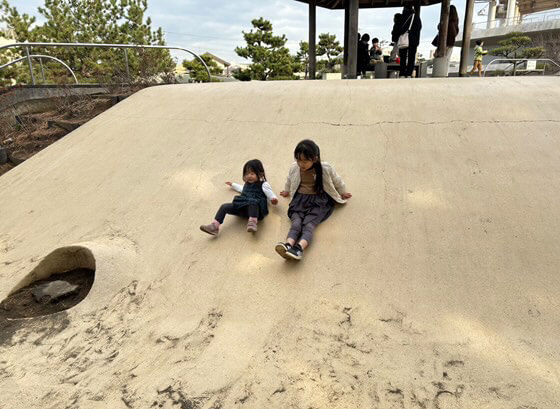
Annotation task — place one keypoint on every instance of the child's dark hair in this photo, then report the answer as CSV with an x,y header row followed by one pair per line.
x,y
307,149
478,42
255,166
375,40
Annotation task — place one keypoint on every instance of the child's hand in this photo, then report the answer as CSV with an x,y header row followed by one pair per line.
x,y
346,195
274,201
229,184
283,193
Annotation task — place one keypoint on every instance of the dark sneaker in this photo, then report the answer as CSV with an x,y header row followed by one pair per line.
x,y
295,252
282,248
210,229
252,226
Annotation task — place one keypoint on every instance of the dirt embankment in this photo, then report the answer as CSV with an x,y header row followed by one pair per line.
x,y
30,133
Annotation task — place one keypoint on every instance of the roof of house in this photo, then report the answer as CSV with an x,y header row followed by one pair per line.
x,y
217,59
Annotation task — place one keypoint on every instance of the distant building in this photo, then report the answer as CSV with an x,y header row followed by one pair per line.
x,y
222,64
538,19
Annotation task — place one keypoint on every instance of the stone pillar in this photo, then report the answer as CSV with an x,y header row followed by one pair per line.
x,y
491,14
510,14
441,68
312,36
467,29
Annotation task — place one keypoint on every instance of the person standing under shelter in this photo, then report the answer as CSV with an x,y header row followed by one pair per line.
x,y
411,24
452,30
363,55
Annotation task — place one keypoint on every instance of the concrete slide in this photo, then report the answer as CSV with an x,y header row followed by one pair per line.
x,y
437,286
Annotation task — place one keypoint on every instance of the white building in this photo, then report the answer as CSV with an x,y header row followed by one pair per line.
x,y
538,19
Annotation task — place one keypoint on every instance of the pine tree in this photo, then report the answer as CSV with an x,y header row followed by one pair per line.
x,y
92,21
270,58
330,47
197,71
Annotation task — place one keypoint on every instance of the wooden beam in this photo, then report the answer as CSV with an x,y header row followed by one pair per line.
x,y
443,25
312,38
466,44
353,38
346,28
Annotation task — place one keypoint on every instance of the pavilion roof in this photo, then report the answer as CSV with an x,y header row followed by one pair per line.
x,y
364,4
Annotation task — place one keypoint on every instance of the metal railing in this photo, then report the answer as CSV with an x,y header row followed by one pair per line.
x,y
40,56
126,47
513,62
517,20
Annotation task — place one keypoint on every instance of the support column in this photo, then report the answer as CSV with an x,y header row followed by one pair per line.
x,y
312,37
467,29
510,14
353,38
441,65
443,24
30,65
346,26
491,23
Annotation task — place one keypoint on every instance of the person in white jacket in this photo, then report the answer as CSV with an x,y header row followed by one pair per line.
x,y
251,203
315,187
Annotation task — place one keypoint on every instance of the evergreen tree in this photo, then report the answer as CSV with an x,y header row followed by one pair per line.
x,y
270,58
197,71
302,58
330,47
92,21
516,45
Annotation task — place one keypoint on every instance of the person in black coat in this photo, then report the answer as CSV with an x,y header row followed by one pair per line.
x,y
363,55
408,54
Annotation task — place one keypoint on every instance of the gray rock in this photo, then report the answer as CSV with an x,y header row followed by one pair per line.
x,y
16,157
53,291
3,156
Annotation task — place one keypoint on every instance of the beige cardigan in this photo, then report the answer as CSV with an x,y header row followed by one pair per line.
x,y
333,185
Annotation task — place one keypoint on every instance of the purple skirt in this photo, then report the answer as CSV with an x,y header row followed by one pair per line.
x,y
311,208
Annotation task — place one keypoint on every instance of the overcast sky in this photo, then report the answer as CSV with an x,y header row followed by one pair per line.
x,y
216,25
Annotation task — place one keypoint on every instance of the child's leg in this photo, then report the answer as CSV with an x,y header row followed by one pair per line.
x,y
307,234
214,227
295,251
226,208
295,229
253,214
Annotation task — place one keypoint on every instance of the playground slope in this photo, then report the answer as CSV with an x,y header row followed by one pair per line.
x,y
436,286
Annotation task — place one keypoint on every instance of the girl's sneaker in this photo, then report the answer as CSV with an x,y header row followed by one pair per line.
x,y
282,249
295,252
252,226
210,229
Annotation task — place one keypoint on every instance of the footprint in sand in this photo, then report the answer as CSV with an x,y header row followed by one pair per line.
x,y
394,398
446,400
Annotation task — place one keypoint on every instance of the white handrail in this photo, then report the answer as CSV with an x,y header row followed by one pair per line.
x,y
516,60
97,45
41,56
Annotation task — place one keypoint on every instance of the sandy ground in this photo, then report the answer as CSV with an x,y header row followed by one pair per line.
x,y
435,287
